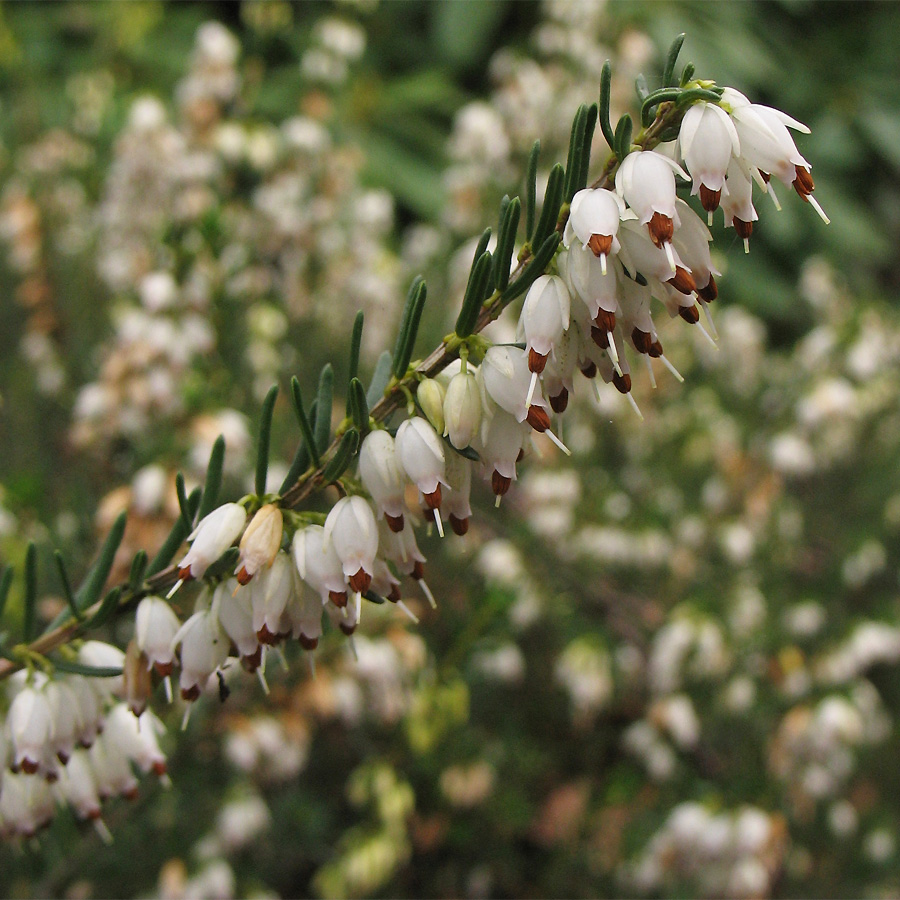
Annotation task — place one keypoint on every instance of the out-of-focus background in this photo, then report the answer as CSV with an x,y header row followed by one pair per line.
x,y
668,666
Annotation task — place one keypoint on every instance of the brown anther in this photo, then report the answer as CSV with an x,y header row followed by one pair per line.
x,y
709,199
347,628
264,636
51,777
600,244
252,661
84,743
803,183
710,292
605,320
538,419
536,361
656,350
690,314
622,382
29,766
395,523
62,756
598,336
418,571
185,574
560,401
643,340
131,794
243,576
338,598
433,500
682,281
394,594
360,581
190,694
661,229
589,369
308,643
163,669
500,483
765,176
160,768
459,526
743,229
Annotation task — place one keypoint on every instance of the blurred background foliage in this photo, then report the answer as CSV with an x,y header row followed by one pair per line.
x,y
529,740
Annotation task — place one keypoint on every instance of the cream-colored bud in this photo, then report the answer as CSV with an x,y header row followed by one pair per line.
x,y
431,398
260,543
462,410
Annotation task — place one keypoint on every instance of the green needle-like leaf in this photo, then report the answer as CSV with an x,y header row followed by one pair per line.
x,y
623,137
355,344
6,580
687,73
605,87
641,88
671,59
553,198
653,100
67,585
380,378
531,189
359,406
694,94
89,592
415,304
338,463
74,668
533,270
506,243
182,499
576,148
213,482
324,403
474,296
107,608
405,323
138,569
30,617
590,124
265,433
306,430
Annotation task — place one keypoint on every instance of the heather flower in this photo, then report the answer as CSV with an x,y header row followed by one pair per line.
x,y
260,543
594,220
203,649
319,565
211,538
154,627
382,476
421,453
545,316
235,613
707,140
351,530
270,595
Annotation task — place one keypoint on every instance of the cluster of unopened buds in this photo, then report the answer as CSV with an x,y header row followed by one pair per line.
x,y
589,270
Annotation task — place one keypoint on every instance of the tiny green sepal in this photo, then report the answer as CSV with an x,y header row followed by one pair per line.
x,y
265,433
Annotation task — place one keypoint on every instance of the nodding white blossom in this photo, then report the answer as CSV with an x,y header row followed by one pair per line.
x,y
384,582
401,549
421,453
643,257
456,500
66,716
269,598
137,738
90,714
646,181
545,316
382,476
260,543
29,725
112,769
318,564
589,283
351,530
26,805
507,382
211,538
500,445
306,616
346,620
737,204
155,625
236,618
594,220
707,140
691,241
462,409
77,786
203,649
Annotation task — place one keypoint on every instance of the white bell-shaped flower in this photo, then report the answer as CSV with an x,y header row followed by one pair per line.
x,y
137,738
112,769
26,805
90,714
462,409
29,725
456,500
306,616
501,441
260,543
382,476
269,597
78,787
384,582
204,647
558,375
506,381
235,613
646,181
691,241
211,538
545,316
346,619
586,279
707,140
642,256
351,530
155,624
594,220
402,550
737,204
66,715
318,564
421,453
100,655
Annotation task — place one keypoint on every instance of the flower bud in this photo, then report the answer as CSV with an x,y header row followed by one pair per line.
x,y
462,410
211,538
421,454
260,543
30,728
382,476
430,395
155,625
136,678
318,564
350,529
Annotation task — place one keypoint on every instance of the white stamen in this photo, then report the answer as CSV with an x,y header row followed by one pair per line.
x,y
746,245
531,386
281,658
408,611
671,368
262,680
358,607
427,592
595,385
167,683
712,325
558,442
603,263
613,352
634,406
650,371
352,644
667,246
165,781
103,831
709,218
771,192
187,716
497,500
706,334
438,522
175,587
815,205
312,664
